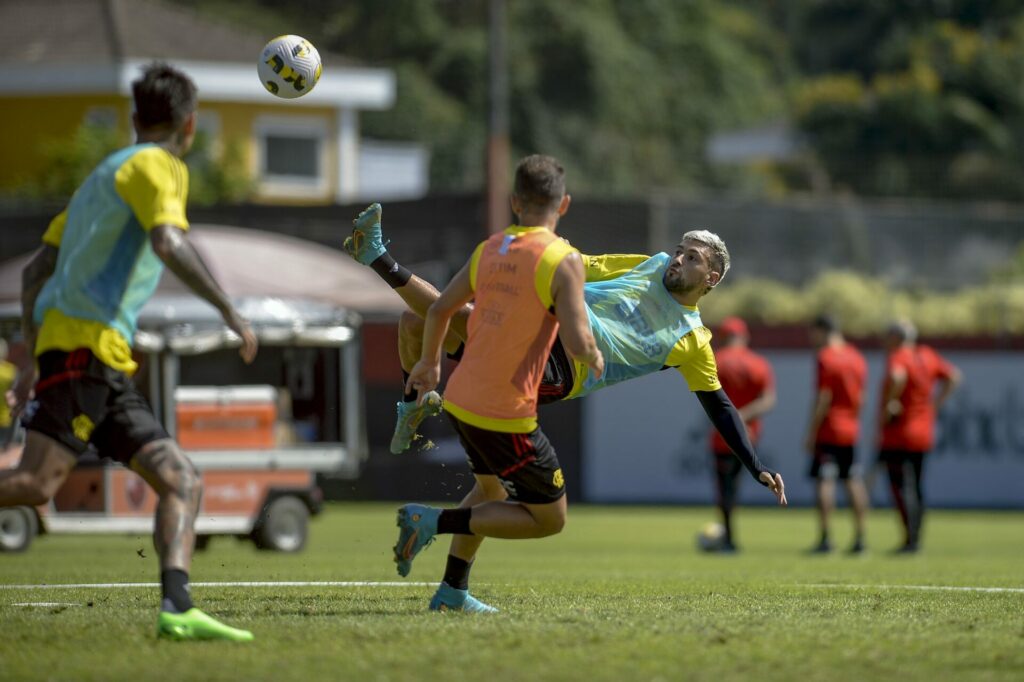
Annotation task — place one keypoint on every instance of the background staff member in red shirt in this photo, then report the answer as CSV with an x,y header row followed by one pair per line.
x,y
834,426
909,406
748,380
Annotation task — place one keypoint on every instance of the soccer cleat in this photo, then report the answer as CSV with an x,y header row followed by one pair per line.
x,y
858,547
410,416
417,526
194,625
447,598
823,547
366,244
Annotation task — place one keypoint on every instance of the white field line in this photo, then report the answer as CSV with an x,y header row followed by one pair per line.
x,y
938,588
285,583
45,603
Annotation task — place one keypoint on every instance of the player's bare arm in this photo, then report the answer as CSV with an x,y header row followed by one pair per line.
x,y
426,375
33,277
570,309
821,404
758,407
172,247
897,382
949,385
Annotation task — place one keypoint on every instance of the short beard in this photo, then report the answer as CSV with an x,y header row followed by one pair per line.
x,y
678,286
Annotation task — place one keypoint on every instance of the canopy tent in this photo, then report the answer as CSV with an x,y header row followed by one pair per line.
x,y
251,264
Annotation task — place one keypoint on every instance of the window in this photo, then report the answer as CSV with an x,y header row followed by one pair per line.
x,y
292,156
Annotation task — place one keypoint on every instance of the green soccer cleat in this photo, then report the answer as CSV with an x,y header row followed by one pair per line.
x,y
367,241
195,625
447,598
410,416
417,527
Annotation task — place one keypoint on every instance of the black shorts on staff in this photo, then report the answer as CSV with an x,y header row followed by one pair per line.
x,y
841,455
81,401
525,463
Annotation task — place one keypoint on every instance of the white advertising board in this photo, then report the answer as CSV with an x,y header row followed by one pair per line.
x,y
647,440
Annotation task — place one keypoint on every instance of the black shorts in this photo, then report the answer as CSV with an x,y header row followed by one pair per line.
x,y
525,463
558,374
80,401
840,455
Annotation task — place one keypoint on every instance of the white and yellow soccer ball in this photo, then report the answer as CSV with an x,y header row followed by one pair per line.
x,y
711,537
289,66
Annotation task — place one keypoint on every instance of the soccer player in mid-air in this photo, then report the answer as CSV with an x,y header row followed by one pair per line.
x,y
643,314
100,262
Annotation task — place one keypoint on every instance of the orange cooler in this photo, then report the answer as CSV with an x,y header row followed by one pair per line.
x,y
226,417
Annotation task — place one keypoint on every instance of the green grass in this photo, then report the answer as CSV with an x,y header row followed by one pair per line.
x,y
620,595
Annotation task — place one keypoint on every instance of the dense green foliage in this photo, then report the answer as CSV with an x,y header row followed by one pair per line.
x,y
621,594
890,98
216,176
913,98
625,92
867,305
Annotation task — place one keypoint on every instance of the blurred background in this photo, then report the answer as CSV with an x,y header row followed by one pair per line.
x,y
860,158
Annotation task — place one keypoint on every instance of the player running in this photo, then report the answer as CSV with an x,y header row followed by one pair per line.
x,y
101,260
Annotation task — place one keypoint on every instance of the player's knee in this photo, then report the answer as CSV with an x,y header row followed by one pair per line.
x,y
35,490
410,324
552,524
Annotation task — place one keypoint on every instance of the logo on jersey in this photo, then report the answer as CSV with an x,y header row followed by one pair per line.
x,y
558,480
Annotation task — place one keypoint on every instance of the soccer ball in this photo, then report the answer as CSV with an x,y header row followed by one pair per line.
x,y
711,537
289,66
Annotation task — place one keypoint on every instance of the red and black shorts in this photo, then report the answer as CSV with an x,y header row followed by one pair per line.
x,y
839,455
79,401
525,463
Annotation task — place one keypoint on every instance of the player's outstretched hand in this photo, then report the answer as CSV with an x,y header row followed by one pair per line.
x,y
239,326
424,377
776,485
597,366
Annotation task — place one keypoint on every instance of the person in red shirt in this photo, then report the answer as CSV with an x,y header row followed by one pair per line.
x,y
909,405
748,380
834,426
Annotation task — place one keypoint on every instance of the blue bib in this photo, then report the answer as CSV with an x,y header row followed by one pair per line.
x,y
635,322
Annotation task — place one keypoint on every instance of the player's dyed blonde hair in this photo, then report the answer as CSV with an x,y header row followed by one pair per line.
x,y
719,253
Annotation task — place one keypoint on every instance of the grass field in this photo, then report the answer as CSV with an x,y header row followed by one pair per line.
x,y
620,595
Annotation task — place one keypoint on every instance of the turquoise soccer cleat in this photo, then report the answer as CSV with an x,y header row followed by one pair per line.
x,y
196,625
410,416
366,244
447,598
417,526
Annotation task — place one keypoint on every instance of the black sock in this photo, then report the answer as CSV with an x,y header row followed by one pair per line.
x,y
392,273
408,397
455,521
174,585
456,572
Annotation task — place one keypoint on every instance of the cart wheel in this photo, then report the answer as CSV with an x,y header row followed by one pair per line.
x,y
18,525
283,526
202,542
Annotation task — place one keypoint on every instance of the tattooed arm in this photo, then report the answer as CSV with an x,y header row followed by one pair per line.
x,y
172,246
33,277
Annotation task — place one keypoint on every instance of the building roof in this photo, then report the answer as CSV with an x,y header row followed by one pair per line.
x,y
76,47
36,32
